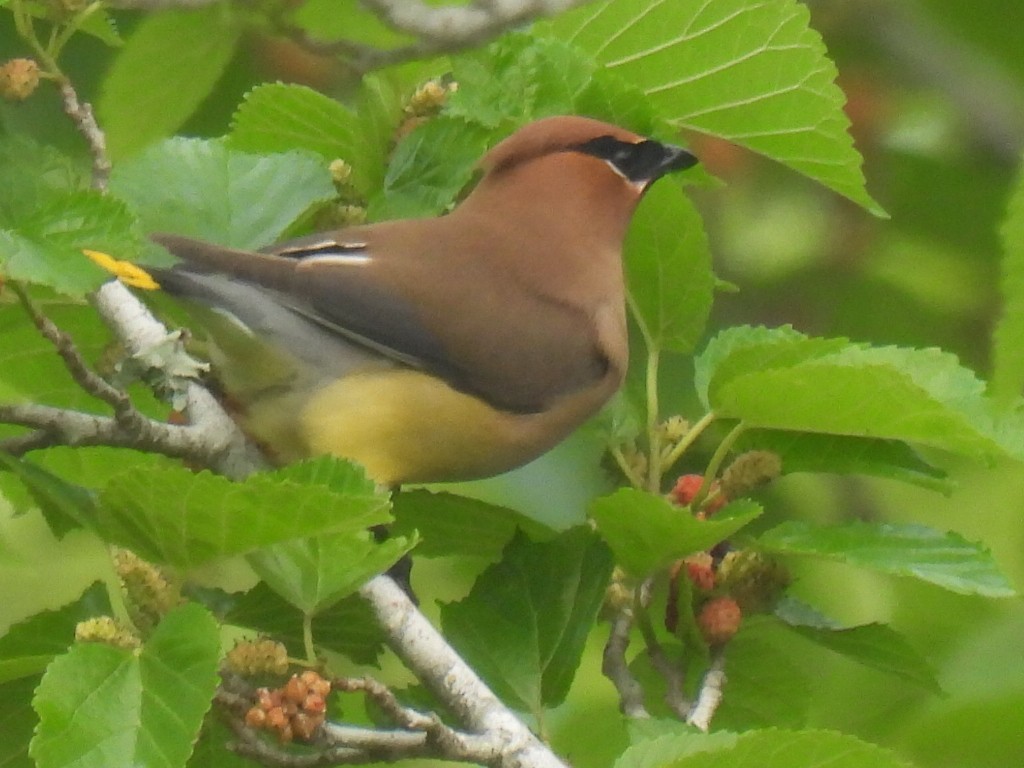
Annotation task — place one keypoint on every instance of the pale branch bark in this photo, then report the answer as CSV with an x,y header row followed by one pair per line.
x,y
387,702
61,426
711,692
459,25
435,29
418,734
125,413
615,667
221,444
213,440
82,116
672,672
436,664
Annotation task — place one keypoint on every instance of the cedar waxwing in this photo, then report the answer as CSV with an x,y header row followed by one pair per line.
x,y
439,349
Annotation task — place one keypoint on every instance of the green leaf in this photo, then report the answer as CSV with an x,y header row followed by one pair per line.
x,y
212,750
168,67
107,707
278,117
171,515
430,166
944,559
1008,335
313,574
101,25
876,646
209,191
46,246
379,112
667,741
780,379
610,98
742,349
646,532
810,452
28,647
346,627
34,176
348,20
30,364
777,748
526,620
767,685
668,269
64,505
18,721
753,73
516,79
449,524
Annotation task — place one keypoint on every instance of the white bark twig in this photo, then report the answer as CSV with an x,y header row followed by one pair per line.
x,y
436,664
82,116
711,692
671,671
435,28
459,25
223,447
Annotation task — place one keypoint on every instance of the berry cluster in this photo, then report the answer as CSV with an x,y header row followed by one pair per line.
x,y
742,582
688,487
296,710
725,586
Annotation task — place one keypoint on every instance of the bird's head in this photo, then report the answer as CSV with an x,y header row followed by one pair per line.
x,y
636,159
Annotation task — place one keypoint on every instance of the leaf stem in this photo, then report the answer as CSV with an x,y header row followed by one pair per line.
x,y
635,480
643,618
654,469
688,439
307,637
716,462
26,30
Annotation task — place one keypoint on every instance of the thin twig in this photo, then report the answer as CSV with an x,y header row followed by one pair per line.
x,y
216,441
441,669
82,116
125,413
462,24
671,671
616,668
711,692
419,734
625,467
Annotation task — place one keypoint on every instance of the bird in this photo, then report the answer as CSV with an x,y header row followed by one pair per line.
x,y
438,349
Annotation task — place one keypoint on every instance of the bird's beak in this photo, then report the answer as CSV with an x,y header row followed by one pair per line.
x,y
675,159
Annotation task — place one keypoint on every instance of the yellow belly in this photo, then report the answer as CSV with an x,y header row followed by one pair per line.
x,y
406,426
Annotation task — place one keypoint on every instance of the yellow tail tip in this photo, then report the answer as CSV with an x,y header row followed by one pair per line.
x,y
125,271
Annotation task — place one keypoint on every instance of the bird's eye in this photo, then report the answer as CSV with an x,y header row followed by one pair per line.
x,y
605,147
